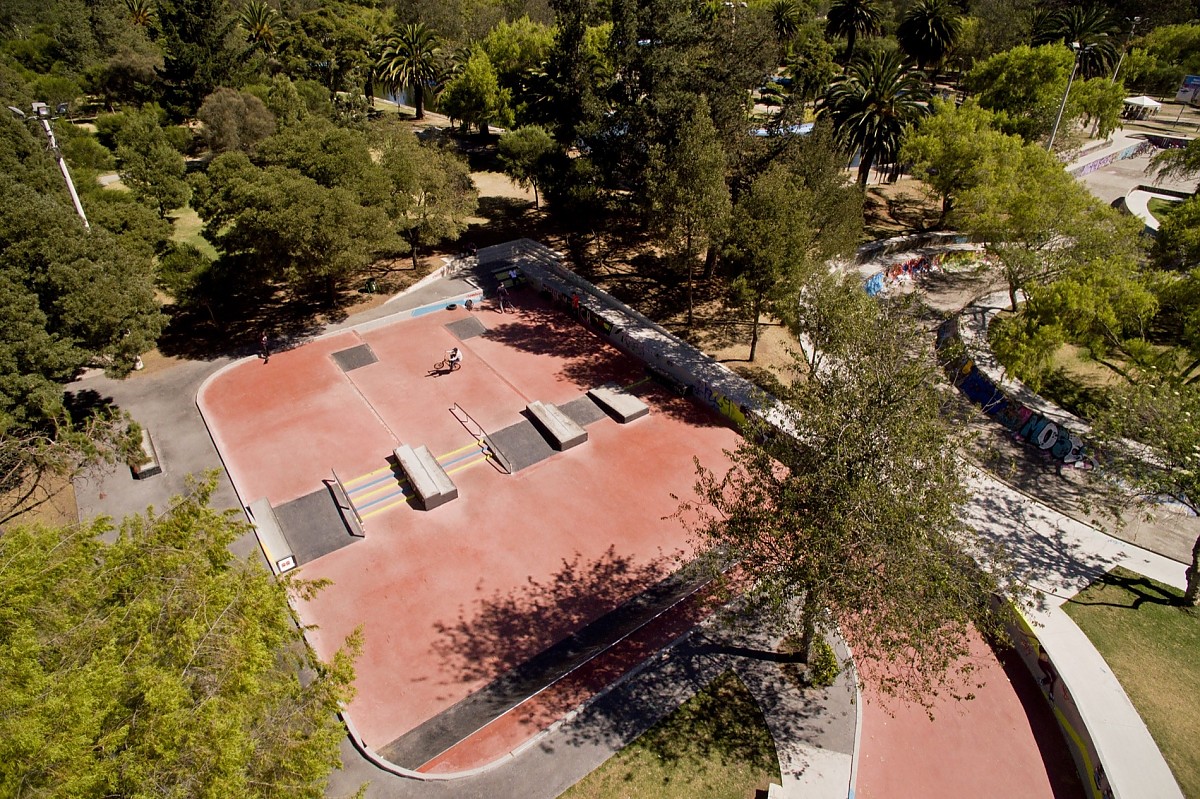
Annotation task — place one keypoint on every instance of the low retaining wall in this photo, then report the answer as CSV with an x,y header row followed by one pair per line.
x,y
675,361
1041,665
1132,151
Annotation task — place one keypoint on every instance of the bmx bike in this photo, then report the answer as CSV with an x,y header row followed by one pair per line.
x,y
445,364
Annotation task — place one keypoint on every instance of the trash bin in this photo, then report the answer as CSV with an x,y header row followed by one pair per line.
x,y
372,286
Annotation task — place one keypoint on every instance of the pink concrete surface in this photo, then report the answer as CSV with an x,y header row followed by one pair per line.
x,y
1002,743
448,599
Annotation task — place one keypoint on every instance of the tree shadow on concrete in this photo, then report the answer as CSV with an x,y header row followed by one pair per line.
x,y
1039,552
742,644
497,633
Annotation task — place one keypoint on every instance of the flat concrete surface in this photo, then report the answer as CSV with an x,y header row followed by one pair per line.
x,y
451,599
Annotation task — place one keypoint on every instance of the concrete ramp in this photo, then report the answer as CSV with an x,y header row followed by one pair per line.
x,y
620,404
426,476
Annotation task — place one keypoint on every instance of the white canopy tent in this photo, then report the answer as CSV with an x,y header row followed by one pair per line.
x,y
1141,107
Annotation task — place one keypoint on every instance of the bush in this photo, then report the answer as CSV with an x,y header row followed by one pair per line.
x,y
823,666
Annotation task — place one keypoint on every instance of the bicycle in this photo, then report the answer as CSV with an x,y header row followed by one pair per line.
x,y
445,364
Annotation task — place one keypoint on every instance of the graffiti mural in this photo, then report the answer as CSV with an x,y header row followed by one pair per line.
x,y
1027,425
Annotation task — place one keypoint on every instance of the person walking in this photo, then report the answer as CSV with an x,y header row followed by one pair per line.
x,y
264,348
502,297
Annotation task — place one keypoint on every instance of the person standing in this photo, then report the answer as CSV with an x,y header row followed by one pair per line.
x,y
502,297
264,348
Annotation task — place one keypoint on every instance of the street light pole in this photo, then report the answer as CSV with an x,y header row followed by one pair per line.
x,y
1074,68
1133,23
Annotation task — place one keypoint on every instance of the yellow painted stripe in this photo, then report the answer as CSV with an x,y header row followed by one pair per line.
x,y
472,445
367,476
389,506
360,499
469,463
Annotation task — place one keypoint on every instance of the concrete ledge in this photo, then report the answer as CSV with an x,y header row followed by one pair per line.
x,y
270,536
619,402
150,465
426,476
562,431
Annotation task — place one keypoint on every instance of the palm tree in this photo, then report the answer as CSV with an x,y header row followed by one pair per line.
x,y
411,59
141,12
851,19
871,105
928,31
786,16
258,20
1091,27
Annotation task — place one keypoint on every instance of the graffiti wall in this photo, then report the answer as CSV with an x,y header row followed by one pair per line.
x,y
1052,438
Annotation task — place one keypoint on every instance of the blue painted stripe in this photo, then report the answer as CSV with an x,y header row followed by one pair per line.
x,y
375,482
471,454
403,491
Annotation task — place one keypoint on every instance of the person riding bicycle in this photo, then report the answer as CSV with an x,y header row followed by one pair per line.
x,y
454,359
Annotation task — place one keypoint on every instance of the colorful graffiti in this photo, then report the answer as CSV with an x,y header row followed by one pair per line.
x,y
1027,425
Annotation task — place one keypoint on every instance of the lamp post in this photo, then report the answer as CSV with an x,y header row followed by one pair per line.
x,y
1133,23
1074,68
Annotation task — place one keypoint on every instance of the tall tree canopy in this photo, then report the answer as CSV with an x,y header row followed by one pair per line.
x,y
157,665
870,107
856,510
928,31
410,60
69,298
852,19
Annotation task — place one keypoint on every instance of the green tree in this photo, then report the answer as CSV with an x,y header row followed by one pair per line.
x,y
787,16
410,60
158,664
928,31
474,95
198,56
523,156
811,66
1166,417
1089,27
1159,61
872,105
854,516
286,226
1178,240
335,157
150,166
259,22
851,19
783,231
235,121
688,195
1036,221
1181,163
431,193
1024,87
956,148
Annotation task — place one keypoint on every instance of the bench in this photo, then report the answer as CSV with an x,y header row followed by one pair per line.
x,y
618,402
270,536
426,476
669,380
562,431
150,465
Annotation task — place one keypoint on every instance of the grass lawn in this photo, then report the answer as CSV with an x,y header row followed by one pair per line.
x,y
187,230
1151,643
716,745
1159,208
